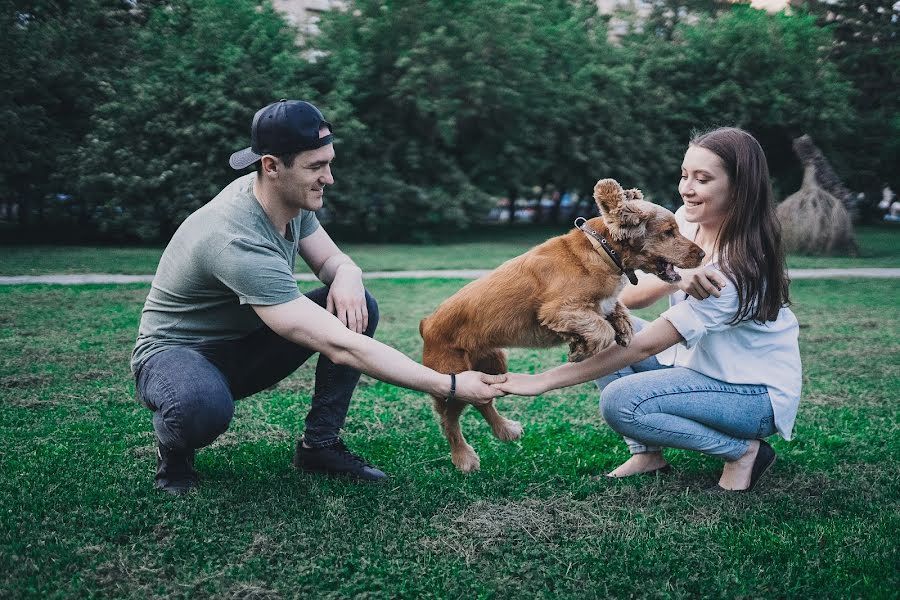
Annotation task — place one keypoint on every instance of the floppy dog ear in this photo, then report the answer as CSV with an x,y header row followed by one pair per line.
x,y
634,194
623,219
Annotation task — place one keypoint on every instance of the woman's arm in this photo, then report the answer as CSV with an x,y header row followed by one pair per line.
x,y
647,291
654,338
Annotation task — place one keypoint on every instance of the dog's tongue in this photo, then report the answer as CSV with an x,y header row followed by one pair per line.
x,y
671,274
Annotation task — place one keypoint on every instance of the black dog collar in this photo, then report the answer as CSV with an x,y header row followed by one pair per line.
x,y
610,251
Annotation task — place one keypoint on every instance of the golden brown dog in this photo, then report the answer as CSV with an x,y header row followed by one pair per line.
x,y
564,290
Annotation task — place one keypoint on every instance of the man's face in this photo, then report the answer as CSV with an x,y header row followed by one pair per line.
x,y
303,184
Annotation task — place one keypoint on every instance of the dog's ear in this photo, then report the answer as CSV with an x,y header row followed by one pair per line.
x,y
623,219
634,194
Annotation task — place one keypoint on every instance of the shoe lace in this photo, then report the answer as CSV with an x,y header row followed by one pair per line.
x,y
341,448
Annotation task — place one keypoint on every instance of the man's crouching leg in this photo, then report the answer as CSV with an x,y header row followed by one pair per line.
x,y
192,406
321,449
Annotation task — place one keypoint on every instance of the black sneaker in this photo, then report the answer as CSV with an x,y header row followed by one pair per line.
x,y
335,459
175,471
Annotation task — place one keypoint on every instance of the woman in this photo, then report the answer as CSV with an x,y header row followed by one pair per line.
x,y
720,369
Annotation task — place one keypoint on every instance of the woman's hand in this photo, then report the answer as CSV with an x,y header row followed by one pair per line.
x,y
476,387
521,384
701,283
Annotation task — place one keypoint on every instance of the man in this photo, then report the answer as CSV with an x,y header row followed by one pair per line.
x,y
224,318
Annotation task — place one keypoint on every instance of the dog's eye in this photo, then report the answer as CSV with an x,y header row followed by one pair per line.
x,y
670,233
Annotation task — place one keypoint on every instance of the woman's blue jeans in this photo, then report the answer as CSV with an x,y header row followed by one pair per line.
x,y
655,406
191,389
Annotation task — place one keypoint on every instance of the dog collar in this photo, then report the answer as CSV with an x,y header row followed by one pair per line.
x,y
581,223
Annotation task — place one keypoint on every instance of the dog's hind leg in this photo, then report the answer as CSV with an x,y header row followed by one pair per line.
x,y
445,360
504,429
462,454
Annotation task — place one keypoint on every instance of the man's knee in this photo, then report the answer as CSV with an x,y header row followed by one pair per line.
x,y
372,308
190,398
205,420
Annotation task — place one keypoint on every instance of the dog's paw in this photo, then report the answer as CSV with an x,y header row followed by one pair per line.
x,y
623,339
578,350
511,430
578,355
466,460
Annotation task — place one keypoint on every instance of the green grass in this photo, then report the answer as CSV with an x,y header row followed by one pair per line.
x,y
79,516
485,249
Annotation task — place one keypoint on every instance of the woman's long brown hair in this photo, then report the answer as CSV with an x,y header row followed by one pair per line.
x,y
749,246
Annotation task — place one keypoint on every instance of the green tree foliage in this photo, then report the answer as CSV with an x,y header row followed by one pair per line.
x,y
866,50
160,143
445,101
134,107
57,59
765,73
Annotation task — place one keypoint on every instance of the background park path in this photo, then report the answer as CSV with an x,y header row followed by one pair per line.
x,y
89,278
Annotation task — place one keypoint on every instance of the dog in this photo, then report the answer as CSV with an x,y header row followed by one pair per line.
x,y
564,290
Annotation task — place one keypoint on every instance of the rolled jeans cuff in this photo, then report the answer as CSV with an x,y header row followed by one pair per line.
x,y
635,447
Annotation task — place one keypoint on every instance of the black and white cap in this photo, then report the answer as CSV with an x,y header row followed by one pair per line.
x,y
283,127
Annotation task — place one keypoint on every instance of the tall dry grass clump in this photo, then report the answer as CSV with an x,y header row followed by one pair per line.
x,y
813,219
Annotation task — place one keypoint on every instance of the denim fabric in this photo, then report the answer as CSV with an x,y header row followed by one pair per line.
x,y
656,406
191,389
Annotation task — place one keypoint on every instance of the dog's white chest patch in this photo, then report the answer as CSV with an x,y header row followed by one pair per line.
x,y
606,306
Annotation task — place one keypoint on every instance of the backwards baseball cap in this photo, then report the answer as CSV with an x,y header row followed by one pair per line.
x,y
283,127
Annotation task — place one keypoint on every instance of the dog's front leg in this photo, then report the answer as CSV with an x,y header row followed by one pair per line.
x,y
592,332
620,319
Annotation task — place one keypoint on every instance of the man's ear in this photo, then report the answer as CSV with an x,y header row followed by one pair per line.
x,y
270,165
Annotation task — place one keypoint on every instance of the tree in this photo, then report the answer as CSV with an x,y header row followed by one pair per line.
x,y
768,74
159,145
866,50
446,102
58,58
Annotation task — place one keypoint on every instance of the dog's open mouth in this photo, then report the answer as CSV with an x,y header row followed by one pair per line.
x,y
666,271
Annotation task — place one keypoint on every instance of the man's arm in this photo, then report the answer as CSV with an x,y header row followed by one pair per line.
x,y
346,294
304,322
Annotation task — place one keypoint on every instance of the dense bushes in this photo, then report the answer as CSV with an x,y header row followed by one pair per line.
x,y
118,116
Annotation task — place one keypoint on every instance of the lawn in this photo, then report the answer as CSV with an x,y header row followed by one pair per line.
x,y
79,516
484,249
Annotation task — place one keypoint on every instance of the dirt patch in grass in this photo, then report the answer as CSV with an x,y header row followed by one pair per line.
x,y
251,591
531,521
23,380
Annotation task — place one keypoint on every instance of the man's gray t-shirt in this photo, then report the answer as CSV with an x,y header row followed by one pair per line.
x,y
224,257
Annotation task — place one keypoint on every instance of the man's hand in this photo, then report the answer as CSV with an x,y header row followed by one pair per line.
x,y
521,385
701,283
475,387
347,298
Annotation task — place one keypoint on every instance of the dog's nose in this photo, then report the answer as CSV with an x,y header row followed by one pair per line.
x,y
702,254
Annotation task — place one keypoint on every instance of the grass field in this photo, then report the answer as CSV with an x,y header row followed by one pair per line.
x,y
484,249
79,516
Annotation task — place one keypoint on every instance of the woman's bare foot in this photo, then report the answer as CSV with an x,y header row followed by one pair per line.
x,y
639,463
736,474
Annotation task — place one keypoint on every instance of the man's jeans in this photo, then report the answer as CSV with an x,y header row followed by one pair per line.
x,y
191,389
655,406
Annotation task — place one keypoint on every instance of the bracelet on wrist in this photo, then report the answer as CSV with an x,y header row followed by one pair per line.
x,y
452,394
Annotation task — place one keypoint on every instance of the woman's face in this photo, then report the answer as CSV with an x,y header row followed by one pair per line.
x,y
704,188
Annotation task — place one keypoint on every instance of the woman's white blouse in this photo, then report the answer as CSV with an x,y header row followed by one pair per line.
x,y
746,353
